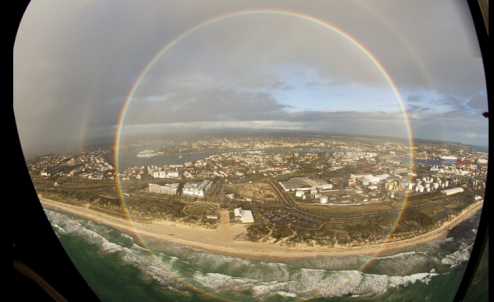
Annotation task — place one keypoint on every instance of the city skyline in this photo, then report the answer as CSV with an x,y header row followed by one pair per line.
x,y
84,69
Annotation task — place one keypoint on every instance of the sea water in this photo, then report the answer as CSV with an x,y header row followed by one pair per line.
x,y
118,267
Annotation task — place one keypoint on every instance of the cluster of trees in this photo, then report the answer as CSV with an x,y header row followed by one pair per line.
x,y
371,230
256,232
413,221
69,196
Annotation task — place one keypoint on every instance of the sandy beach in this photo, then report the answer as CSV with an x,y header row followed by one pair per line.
x,y
221,240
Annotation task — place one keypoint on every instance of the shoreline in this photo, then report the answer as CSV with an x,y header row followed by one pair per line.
x,y
222,240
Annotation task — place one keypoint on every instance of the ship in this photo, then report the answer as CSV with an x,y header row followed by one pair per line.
x,y
448,158
146,155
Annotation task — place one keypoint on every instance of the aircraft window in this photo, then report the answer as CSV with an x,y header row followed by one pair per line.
x,y
256,151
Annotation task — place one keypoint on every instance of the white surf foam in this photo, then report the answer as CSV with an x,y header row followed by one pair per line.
x,y
462,254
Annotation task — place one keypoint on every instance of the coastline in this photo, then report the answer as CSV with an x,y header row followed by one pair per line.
x,y
221,240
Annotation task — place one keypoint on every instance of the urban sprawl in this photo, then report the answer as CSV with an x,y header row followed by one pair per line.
x,y
300,177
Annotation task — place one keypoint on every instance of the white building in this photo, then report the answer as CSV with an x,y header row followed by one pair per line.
x,y
165,174
374,179
452,191
197,189
170,189
304,183
245,215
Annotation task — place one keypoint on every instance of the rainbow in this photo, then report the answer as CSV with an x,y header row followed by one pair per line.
x,y
403,42
267,12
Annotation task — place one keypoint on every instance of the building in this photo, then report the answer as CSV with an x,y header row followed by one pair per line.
x,y
170,189
401,170
323,200
304,183
165,174
213,216
452,191
245,215
197,189
360,175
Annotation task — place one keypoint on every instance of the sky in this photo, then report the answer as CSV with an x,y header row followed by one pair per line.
x,y
88,69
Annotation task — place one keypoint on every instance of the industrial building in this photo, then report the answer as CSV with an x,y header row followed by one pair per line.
x,y
170,189
323,200
304,184
452,191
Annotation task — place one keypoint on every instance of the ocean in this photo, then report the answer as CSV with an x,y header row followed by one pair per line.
x,y
119,268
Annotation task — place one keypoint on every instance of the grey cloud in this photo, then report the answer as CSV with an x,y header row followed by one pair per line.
x,y
472,103
453,101
417,109
478,102
203,105
415,98
75,65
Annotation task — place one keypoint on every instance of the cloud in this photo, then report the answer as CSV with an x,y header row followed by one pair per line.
x,y
478,102
452,101
187,105
415,98
75,66
416,109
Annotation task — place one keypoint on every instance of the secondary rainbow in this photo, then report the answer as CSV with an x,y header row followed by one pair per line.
x,y
266,12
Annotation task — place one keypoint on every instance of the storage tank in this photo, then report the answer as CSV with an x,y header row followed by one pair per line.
x,y
446,183
435,185
323,200
299,193
428,189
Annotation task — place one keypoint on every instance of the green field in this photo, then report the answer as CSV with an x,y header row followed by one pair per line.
x,y
198,210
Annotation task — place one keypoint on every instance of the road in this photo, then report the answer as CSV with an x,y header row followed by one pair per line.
x,y
221,196
289,204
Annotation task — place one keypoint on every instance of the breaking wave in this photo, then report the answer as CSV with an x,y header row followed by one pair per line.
x,y
180,268
462,254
